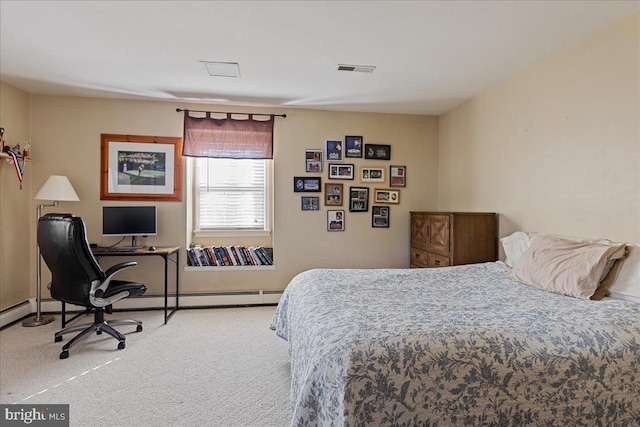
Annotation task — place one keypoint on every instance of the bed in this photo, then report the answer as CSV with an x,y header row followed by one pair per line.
x,y
466,345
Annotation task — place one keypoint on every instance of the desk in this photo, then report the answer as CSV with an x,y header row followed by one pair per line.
x,y
165,253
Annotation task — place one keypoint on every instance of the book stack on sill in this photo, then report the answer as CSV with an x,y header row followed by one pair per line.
x,y
221,256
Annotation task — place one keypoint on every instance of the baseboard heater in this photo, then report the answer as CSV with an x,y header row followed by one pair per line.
x,y
210,299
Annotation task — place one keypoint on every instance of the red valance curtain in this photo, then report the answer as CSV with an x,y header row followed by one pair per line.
x,y
228,138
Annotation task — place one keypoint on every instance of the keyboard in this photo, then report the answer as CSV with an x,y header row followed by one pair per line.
x,y
118,249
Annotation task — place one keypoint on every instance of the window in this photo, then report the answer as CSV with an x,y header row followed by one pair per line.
x,y
232,194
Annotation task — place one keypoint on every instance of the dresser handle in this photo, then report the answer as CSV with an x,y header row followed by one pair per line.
x,y
437,262
417,255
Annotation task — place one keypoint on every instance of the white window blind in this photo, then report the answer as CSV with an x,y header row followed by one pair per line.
x,y
232,194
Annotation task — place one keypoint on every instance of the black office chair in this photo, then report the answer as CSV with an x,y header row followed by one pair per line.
x,y
76,277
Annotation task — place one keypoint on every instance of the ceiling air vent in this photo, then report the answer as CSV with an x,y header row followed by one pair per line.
x,y
356,68
222,69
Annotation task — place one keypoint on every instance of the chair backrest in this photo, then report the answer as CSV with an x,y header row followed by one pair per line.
x,y
63,243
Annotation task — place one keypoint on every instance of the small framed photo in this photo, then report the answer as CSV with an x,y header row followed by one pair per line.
x,y
306,184
340,171
397,176
384,195
333,194
310,203
313,160
371,174
380,216
377,152
334,150
353,146
335,220
358,199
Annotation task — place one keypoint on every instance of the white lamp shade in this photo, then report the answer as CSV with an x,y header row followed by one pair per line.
x,y
57,188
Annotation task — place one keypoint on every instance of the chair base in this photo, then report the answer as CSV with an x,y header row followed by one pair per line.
x,y
98,326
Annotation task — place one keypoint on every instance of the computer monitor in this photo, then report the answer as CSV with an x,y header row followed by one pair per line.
x,y
129,221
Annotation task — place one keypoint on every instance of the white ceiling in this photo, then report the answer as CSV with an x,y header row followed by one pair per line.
x,y
429,56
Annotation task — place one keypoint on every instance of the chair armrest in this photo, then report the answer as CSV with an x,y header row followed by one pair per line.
x,y
114,269
97,288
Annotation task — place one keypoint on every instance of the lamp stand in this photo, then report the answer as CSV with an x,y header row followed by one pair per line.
x,y
39,319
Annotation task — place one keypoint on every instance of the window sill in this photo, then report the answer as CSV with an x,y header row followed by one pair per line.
x,y
232,268
232,233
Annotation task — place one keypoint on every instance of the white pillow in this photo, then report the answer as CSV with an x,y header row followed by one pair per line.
x,y
518,242
626,284
514,246
565,267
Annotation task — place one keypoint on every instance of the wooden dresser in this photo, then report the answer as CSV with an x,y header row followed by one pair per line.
x,y
441,239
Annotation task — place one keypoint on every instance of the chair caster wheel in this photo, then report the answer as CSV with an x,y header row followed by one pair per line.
x,y
99,332
139,328
121,346
58,339
64,354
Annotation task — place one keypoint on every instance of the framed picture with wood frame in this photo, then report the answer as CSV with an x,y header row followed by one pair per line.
x,y
371,174
333,194
385,195
141,168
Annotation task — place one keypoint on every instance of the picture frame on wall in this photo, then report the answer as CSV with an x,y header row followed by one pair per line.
x,y
333,148
397,176
313,159
333,194
377,151
353,146
307,184
340,171
310,203
385,195
358,199
371,174
380,216
141,168
335,220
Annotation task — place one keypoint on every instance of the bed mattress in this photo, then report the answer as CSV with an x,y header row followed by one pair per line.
x,y
461,345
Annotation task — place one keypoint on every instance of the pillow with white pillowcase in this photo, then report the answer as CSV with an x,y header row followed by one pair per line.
x,y
514,246
626,277
564,266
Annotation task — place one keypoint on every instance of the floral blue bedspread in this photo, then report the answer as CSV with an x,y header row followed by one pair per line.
x,y
455,346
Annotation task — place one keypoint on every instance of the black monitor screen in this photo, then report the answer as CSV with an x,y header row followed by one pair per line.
x,y
129,221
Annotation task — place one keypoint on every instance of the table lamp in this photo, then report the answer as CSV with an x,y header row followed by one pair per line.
x,y
59,189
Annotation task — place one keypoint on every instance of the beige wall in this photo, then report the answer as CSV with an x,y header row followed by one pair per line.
x,y
556,148
66,139
15,207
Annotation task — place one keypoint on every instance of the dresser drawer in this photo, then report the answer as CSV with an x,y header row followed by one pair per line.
x,y
435,260
440,239
439,233
418,257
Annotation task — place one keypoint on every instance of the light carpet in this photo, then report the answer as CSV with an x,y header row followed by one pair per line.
x,y
206,367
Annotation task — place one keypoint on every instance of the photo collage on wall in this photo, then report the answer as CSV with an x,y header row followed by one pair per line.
x,y
353,197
